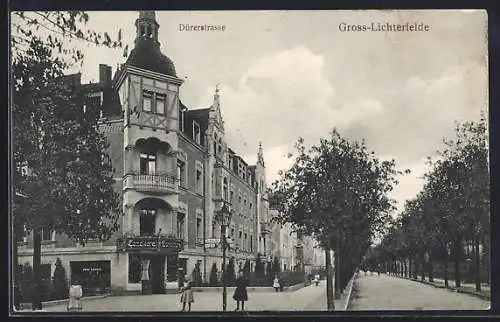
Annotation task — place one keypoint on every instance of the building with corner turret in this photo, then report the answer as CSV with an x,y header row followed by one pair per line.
x,y
174,170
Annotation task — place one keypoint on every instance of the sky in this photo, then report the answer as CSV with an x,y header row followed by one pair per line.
x,y
290,74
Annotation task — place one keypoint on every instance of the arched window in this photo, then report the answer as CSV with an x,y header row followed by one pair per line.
x,y
225,189
220,146
215,143
147,222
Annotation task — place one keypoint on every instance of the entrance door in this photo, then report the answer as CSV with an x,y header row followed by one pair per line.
x,y
158,274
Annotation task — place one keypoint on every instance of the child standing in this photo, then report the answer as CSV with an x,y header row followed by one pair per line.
x,y
276,283
187,296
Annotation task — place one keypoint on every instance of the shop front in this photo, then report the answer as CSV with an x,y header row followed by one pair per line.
x,y
152,260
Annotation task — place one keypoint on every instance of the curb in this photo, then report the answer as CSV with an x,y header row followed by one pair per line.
x,y
59,302
450,288
349,293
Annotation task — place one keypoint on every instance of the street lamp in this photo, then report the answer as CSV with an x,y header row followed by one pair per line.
x,y
224,217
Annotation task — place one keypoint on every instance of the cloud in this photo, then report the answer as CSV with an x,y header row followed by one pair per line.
x,y
421,112
280,97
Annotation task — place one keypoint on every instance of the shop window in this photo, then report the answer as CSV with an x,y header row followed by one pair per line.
x,y
134,268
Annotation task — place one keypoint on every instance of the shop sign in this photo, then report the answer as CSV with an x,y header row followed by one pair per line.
x,y
150,243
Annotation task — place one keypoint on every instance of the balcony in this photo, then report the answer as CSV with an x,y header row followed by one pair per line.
x,y
152,183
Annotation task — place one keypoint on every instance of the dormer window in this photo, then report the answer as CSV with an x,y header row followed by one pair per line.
x,y
196,133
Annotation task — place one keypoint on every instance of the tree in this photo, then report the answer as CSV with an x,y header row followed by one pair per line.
x,y
59,282
276,265
338,192
246,269
451,211
259,266
196,276
231,275
69,179
213,281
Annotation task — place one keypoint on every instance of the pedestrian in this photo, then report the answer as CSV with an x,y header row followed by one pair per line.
x,y
187,296
240,293
276,283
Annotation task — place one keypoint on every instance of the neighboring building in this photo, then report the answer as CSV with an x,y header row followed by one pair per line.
x,y
174,170
282,244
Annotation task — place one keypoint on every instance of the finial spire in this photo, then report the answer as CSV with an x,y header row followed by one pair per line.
x,y
147,26
260,154
216,95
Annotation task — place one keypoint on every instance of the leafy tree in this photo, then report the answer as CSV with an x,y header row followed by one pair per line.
x,y
246,269
213,281
196,276
259,266
231,274
59,282
451,211
69,178
276,265
338,192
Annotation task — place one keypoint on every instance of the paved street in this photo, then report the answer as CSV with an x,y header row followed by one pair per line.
x,y
308,298
392,293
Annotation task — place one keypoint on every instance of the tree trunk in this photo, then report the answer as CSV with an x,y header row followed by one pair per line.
x,y
330,303
431,267
337,272
456,260
15,264
422,267
37,254
409,267
478,266
405,267
445,273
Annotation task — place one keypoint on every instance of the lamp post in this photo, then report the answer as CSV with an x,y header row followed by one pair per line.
x,y
224,216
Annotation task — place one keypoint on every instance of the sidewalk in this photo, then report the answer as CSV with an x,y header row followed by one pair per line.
x,y
310,298
468,288
204,301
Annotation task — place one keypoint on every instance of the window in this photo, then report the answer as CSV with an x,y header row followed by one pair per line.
x,y
225,189
181,173
147,222
153,102
148,163
245,242
196,133
232,196
198,228
160,104
46,233
181,221
147,101
232,232
251,205
199,182
251,243
181,121
213,228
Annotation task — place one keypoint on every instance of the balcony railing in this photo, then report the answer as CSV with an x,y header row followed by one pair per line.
x,y
153,183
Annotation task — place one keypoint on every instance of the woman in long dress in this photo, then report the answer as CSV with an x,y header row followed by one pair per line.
x,y
187,296
240,293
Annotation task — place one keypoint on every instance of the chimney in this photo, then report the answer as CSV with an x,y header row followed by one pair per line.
x,y
104,74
